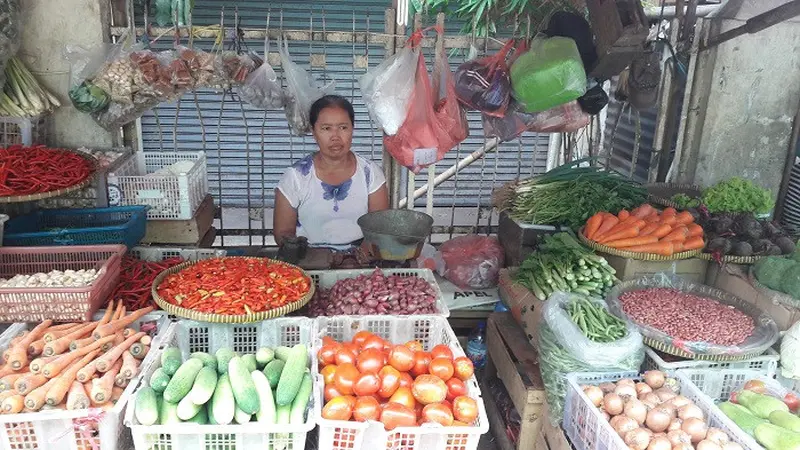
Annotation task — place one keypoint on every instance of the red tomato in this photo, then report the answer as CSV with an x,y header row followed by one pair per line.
x,y
327,373
345,356
455,388
370,360
327,354
442,351
756,386
415,346
463,368
339,408
360,337
437,413
404,397
421,362
442,368
367,384
429,389
792,401
352,347
373,342
396,415
448,404
327,340
345,377
331,392
390,381
401,358
367,408
465,409
406,380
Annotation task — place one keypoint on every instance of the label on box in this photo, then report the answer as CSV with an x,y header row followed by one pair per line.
x,y
425,156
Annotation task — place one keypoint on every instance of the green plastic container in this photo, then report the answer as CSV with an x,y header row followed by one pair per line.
x,y
549,74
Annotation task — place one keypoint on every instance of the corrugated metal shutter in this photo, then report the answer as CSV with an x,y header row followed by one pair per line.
x,y
621,143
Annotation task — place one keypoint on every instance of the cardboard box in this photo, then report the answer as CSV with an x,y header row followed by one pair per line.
x,y
525,307
692,269
190,232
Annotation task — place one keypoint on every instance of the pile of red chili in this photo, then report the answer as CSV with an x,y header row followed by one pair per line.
x,y
235,286
35,170
136,278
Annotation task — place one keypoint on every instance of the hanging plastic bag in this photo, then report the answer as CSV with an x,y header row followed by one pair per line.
x,y
387,89
548,75
262,88
84,63
594,100
301,92
644,77
472,261
484,84
561,119
435,122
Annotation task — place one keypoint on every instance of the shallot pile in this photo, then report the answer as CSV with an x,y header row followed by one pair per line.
x,y
375,294
54,278
652,415
687,317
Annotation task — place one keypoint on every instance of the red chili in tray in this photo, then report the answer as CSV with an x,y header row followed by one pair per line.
x,y
35,170
136,280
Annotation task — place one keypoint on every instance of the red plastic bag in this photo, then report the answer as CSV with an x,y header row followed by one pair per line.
x,y
484,84
435,122
472,261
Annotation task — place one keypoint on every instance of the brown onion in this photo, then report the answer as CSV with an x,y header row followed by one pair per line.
x,y
730,445
594,394
624,390
696,428
677,437
637,439
683,447
717,436
660,443
689,411
675,425
657,420
636,411
705,444
613,404
655,378
624,425
643,388
607,387
665,394
680,401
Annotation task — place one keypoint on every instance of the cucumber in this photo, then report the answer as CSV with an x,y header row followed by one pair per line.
x,y
292,375
283,352
168,413
224,356
273,372
222,404
244,391
201,418
300,401
146,406
240,416
267,412
159,380
282,418
250,362
187,409
181,383
263,356
204,385
171,360
208,359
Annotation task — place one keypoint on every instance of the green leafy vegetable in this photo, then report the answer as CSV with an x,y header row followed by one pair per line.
x,y
738,195
684,201
88,98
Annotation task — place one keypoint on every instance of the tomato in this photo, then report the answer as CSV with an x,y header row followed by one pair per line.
x,y
373,342
370,360
352,347
339,408
791,401
463,368
327,354
404,397
455,388
345,356
396,415
415,346
367,384
331,392
327,373
406,380
390,381
360,337
345,377
756,386
447,403
437,413
442,351
401,358
442,368
367,408
421,362
465,409
429,389
327,340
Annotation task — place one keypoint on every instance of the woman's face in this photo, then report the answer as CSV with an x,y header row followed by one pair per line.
x,y
333,132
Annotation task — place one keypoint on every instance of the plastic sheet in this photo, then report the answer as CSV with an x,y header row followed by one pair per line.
x,y
261,88
301,92
484,84
561,119
388,87
548,75
472,261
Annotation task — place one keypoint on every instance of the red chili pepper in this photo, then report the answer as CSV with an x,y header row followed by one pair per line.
x,y
136,280
32,170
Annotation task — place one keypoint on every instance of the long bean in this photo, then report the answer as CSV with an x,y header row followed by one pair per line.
x,y
595,322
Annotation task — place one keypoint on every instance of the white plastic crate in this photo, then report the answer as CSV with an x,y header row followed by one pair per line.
x,y
767,363
327,278
430,330
23,131
587,429
170,196
80,429
188,254
190,337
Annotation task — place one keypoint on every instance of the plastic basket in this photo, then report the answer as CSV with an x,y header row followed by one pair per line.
x,y
191,336
325,279
91,226
767,363
430,330
60,304
23,131
588,430
170,196
188,254
73,430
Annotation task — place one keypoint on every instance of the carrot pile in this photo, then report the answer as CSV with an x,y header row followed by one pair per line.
x,y
646,230
72,365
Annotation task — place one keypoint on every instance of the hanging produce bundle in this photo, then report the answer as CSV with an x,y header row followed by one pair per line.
x,y
22,95
744,235
565,118
37,170
484,84
136,277
388,87
301,92
548,75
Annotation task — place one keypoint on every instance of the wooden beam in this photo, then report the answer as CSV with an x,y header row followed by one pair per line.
x,y
757,23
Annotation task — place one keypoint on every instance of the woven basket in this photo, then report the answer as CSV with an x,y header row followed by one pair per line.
x,y
635,255
731,259
57,192
661,193
227,318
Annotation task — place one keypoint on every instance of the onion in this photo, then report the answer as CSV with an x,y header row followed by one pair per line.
x,y
677,437
675,424
624,390
683,447
643,388
615,421
607,387
613,404
669,409
657,420
605,415
689,411
637,439
660,443
717,436
665,394
626,382
695,428
730,445
624,425
650,398
680,401
655,378
705,444
636,411
594,394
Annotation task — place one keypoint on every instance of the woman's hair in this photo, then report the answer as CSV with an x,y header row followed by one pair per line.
x,y
328,101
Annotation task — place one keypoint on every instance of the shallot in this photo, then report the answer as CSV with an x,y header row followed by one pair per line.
x,y
54,278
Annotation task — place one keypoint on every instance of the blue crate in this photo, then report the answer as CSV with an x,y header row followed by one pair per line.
x,y
116,225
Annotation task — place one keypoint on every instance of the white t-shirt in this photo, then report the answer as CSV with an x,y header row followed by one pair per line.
x,y
327,214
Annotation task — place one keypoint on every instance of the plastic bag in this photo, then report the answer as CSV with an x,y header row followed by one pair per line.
x,y
644,78
387,89
430,258
561,119
564,349
484,84
548,75
472,261
84,63
301,92
571,25
594,100
10,33
262,88
790,352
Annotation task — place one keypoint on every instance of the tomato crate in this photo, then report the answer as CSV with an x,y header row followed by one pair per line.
x,y
191,336
767,363
78,429
429,330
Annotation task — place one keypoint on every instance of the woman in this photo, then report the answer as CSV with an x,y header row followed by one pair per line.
x,y
322,196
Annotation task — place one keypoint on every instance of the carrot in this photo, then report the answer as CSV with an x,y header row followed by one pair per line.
x,y
653,218
58,391
609,222
105,362
38,364
61,344
677,234
695,230
86,373
643,211
662,231
7,382
669,220
659,248
632,242
29,382
55,367
17,338
76,397
127,332
694,243
146,339
116,393
684,218
593,224
119,338
130,365
624,214
101,387
13,404
621,225
4,395
52,334
116,325
108,314
18,354
139,352
36,398
670,211
76,344
648,229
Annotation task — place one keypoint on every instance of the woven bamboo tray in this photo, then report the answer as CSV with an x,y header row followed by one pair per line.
x,y
635,255
58,192
227,318
731,259
661,193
